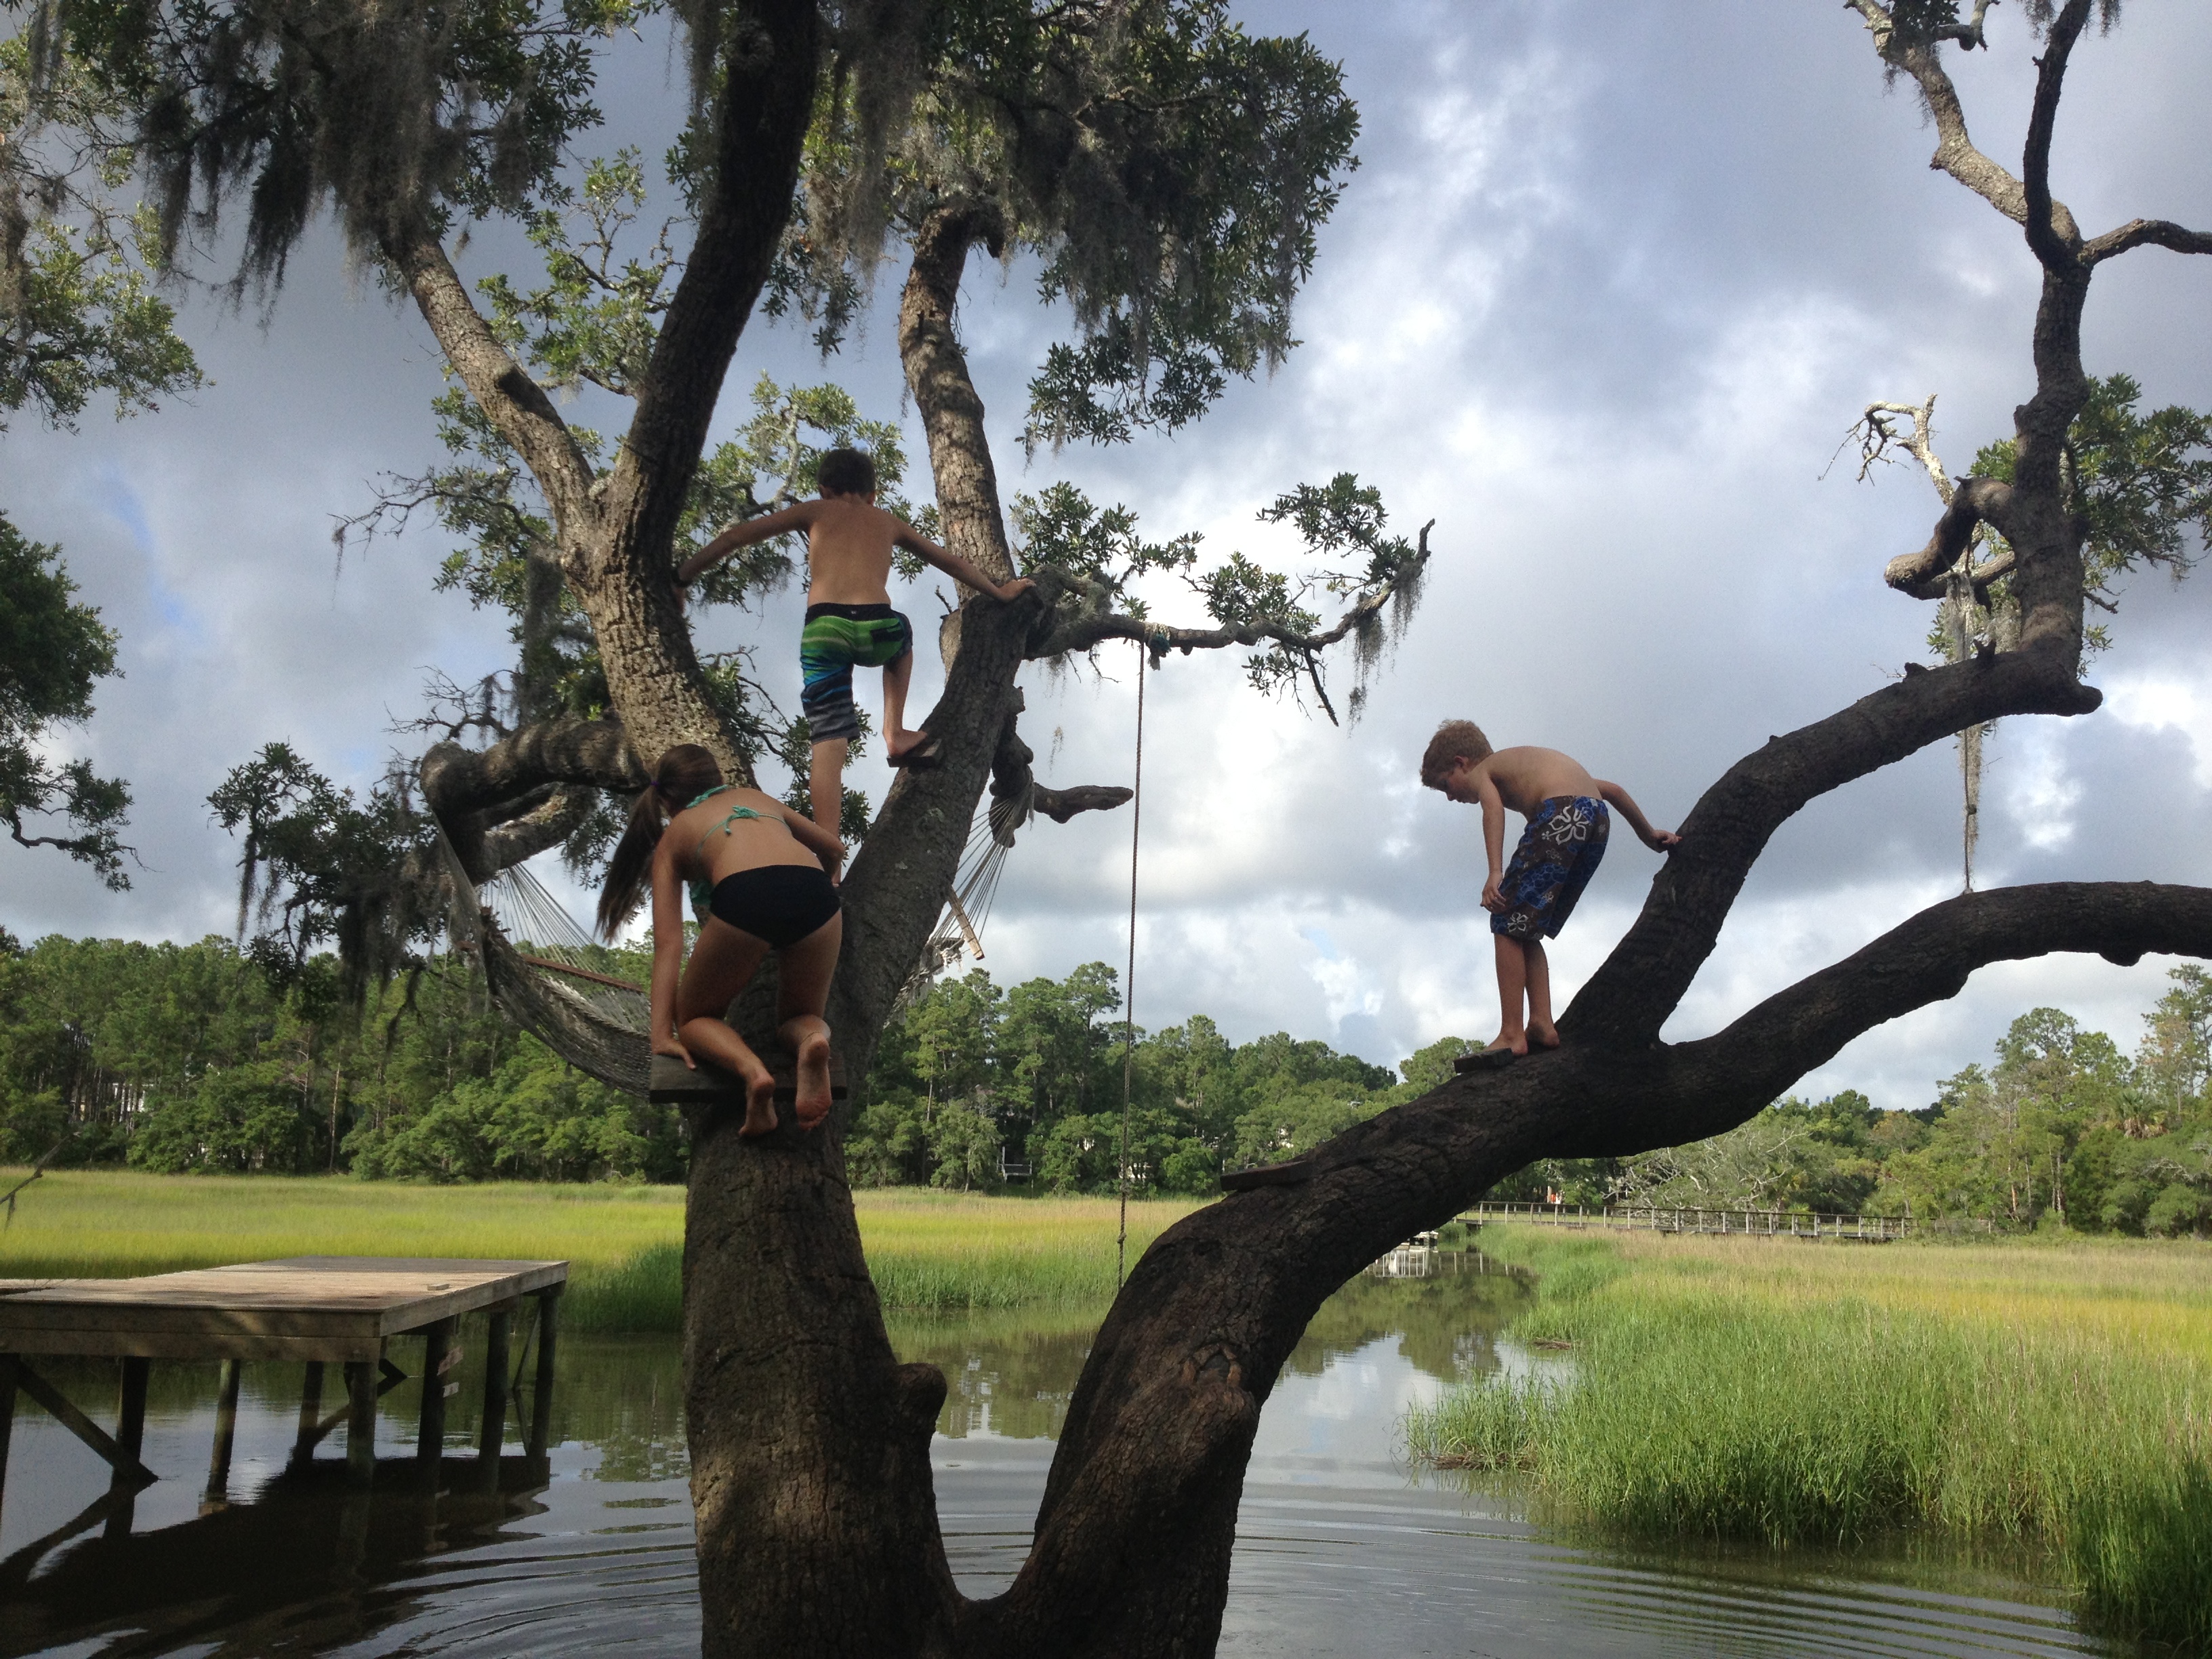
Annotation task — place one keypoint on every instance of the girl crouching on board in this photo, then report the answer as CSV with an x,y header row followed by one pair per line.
x,y
758,873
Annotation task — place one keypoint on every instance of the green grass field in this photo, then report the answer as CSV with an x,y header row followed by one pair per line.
x,y
928,1251
2056,1393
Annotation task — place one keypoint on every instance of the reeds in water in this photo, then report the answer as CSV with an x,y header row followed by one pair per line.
x,y
1700,1406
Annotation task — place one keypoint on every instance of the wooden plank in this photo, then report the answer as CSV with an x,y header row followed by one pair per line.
x,y
305,1307
91,1341
674,1083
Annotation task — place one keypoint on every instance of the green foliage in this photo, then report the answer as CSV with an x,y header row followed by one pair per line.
x,y
1101,554
51,651
318,867
969,1069
194,1058
405,117
2142,483
1169,170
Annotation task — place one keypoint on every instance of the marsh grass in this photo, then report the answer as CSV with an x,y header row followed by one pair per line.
x,y
1793,1393
934,1252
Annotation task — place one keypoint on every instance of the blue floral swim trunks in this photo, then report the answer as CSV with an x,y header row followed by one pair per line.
x,y
1558,854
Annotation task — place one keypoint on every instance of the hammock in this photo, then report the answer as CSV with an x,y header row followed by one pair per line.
x,y
547,975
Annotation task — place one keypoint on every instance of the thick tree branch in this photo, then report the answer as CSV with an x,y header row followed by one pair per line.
x,y
1632,995
769,69
2146,233
517,404
547,824
1955,154
2056,244
937,371
466,788
1973,500
1928,959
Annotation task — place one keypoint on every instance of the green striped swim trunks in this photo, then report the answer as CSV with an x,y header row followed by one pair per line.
x,y
836,640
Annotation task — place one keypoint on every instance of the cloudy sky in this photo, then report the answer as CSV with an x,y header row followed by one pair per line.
x,y
1605,292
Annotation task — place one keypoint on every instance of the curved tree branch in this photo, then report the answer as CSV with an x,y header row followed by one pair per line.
x,y
1973,500
1631,996
2146,233
1928,959
2056,244
465,789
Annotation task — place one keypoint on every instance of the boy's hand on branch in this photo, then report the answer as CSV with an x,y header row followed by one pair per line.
x,y
1663,840
1013,590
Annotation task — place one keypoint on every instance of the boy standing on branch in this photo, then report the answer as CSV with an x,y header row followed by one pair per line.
x,y
849,620
1530,899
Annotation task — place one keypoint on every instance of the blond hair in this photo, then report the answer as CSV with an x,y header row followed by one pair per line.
x,y
1455,741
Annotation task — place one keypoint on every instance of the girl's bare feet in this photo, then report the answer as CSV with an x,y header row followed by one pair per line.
x,y
814,1100
1544,1036
760,1104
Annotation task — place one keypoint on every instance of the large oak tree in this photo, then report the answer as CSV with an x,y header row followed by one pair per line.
x,y
1168,171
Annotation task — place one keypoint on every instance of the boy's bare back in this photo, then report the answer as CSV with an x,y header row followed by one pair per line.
x,y
1527,777
848,549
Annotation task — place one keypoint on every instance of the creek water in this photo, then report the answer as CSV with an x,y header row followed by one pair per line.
x,y
1341,1548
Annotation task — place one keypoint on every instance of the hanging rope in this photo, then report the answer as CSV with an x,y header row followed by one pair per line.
x,y
1129,984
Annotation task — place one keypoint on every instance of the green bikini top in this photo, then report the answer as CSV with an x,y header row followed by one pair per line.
x,y
702,891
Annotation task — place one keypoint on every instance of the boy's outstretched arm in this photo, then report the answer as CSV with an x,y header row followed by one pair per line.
x,y
744,533
953,565
1493,842
1618,798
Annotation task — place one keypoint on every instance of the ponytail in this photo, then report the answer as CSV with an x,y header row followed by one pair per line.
x,y
686,772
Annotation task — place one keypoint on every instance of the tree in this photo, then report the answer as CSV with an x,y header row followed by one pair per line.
x,y
1179,167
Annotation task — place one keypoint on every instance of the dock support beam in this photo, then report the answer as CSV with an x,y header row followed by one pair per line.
x,y
430,1433
217,1495
129,1436
491,1429
361,1422
310,1412
541,1394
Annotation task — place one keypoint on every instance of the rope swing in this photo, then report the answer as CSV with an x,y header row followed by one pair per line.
x,y
1129,983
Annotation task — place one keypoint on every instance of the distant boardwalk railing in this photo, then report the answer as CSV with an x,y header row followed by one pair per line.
x,y
1757,1223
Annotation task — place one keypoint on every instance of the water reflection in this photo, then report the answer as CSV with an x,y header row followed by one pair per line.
x,y
1341,1548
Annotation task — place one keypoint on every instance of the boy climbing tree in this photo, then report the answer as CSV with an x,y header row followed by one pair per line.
x,y
849,620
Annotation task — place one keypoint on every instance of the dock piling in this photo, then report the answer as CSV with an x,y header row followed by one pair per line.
x,y
310,1412
541,1393
430,1436
361,1422
217,1495
491,1429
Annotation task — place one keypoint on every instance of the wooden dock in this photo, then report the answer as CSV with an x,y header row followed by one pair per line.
x,y
321,1310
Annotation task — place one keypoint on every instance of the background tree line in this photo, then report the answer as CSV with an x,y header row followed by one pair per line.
x,y
197,1058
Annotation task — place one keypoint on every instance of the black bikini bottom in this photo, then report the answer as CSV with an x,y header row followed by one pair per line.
x,y
781,903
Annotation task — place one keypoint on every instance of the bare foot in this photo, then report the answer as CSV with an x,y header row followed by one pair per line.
x,y
1515,1042
760,1105
814,1099
1544,1036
